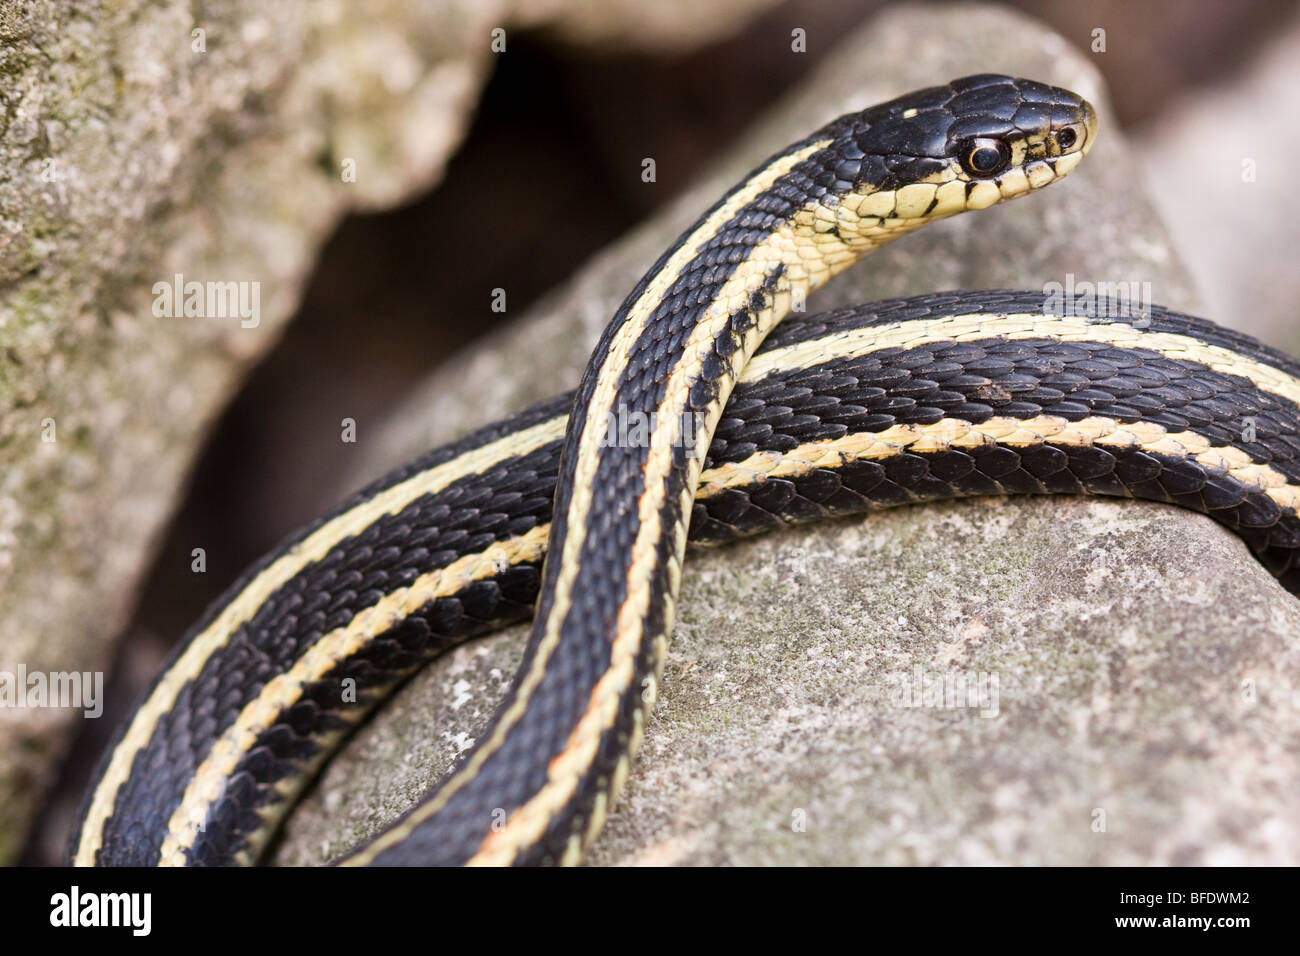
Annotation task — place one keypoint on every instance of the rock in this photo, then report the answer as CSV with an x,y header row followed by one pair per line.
x,y
137,143
1143,714
1124,694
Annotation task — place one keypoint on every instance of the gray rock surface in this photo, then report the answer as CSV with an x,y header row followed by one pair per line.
x,y
1146,667
133,148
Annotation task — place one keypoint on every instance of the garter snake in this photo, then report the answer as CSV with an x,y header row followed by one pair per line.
x,y
939,397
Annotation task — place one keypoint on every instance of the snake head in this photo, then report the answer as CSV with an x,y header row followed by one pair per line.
x,y
1014,135
969,144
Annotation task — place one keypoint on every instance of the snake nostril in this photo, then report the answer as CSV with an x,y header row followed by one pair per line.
x,y
1066,138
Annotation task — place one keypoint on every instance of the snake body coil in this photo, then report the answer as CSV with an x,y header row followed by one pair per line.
x,y
937,397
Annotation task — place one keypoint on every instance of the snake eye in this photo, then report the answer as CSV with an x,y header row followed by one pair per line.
x,y
1065,138
984,157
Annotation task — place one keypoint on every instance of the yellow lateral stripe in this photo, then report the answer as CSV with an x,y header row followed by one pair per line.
x,y
281,692
955,434
314,547
589,453
913,333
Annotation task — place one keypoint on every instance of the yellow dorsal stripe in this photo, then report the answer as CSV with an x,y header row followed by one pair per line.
x,y
914,333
